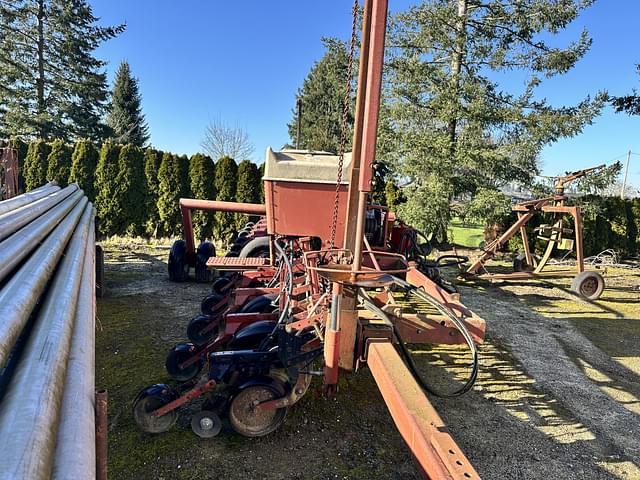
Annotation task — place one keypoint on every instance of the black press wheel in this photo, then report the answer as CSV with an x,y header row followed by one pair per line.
x,y
213,304
196,329
220,285
589,285
206,424
178,355
249,421
143,409
204,252
178,265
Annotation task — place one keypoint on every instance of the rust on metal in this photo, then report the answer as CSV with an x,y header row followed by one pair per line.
x,y
188,204
9,173
102,429
237,263
423,430
187,397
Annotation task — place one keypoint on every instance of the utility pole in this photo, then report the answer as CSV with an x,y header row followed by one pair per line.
x,y
626,173
298,122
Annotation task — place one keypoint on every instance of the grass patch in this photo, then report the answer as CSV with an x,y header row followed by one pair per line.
x,y
466,236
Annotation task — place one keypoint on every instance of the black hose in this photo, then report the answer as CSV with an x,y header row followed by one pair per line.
x,y
407,355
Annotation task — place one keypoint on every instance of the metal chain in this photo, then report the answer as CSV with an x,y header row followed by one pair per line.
x,y
344,127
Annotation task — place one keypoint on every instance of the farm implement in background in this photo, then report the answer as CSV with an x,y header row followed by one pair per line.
x,y
322,281
588,284
9,173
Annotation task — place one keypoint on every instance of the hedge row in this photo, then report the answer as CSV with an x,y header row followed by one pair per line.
x,y
136,190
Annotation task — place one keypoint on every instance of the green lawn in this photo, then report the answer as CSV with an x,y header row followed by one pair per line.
x,y
466,236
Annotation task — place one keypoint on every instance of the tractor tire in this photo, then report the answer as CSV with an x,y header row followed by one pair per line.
x,y
204,252
178,265
589,285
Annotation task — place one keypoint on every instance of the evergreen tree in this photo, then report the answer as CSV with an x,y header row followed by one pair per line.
x,y
225,183
108,190
202,175
629,104
35,165
322,96
183,172
169,195
152,160
59,162
450,127
248,188
83,167
125,115
133,185
52,85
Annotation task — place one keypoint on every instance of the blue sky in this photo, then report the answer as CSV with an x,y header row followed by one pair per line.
x,y
242,61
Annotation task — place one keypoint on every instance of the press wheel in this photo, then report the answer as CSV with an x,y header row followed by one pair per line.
x,y
143,414
206,424
250,422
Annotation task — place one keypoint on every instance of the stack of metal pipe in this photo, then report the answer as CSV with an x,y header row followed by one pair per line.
x,y
47,335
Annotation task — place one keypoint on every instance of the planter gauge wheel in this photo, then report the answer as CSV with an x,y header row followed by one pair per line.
x,y
249,421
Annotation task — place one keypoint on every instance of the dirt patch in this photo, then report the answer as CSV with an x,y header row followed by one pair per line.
x,y
550,401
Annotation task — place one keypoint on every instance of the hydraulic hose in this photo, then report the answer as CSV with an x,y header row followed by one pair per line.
x,y
459,324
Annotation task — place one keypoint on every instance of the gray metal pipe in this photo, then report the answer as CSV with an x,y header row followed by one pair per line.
x,y
14,220
29,197
29,413
75,454
15,248
20,294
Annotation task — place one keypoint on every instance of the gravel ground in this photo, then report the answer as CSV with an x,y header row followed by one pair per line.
x,y
557,395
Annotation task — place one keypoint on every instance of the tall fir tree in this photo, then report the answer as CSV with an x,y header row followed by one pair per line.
x,y
35,164
108,190
322,96
449,126
169,195
59,162
83,167
125,117
226,181
152,159
248,188
202,174
133,187
52,84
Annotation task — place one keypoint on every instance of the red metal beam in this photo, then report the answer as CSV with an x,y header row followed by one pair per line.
x,y
188,204
428,438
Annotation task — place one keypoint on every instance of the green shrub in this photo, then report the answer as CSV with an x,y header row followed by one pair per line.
x,y
183,171
133,185
111,219
248,188
202,176
83,167
169,195
152,159
35,165
59,162
225,182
